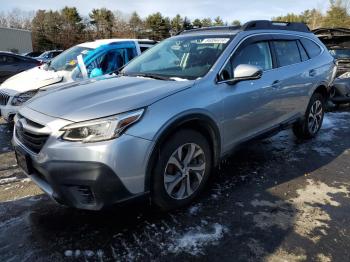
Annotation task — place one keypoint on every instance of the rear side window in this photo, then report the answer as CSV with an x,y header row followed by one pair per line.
x,y
287,52
311,47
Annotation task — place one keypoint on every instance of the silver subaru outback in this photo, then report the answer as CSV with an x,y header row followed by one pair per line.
x,y
160,127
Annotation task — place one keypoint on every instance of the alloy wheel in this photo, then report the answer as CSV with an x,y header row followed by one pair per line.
x,y
315,117
184,171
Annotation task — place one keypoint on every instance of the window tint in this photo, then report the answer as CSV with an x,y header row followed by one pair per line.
x,y
303,53
287,52
311,48
257,54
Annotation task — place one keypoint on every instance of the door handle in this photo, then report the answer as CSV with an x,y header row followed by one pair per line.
x,y
276,84
312,72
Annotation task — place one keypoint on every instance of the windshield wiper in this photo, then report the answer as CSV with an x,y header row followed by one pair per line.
x,y
154,76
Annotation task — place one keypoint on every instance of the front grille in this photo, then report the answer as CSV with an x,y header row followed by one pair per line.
x,y
4,98
33,141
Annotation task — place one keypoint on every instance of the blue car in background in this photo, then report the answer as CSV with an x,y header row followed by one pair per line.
x,y
80,62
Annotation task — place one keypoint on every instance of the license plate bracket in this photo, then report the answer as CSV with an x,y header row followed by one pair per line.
x,y
24,161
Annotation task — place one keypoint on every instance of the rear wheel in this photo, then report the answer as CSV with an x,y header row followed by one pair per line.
x,y
182,170
309,126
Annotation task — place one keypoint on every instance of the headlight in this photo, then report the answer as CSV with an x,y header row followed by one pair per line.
x,y
100,129
23,97
345,75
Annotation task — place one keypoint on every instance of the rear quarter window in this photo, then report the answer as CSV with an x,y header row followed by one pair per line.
x,y
311,47
303,53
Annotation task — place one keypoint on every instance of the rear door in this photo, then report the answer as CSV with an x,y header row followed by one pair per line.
x,y
294,77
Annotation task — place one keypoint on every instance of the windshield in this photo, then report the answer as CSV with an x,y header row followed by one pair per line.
x,y
188,57
340,53
68,59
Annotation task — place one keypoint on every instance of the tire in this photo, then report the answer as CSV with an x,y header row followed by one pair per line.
x,y
172,172
305,128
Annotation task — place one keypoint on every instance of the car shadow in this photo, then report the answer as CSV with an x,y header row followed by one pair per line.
x,y
250,212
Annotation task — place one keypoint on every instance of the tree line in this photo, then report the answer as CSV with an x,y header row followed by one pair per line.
x,y
61,29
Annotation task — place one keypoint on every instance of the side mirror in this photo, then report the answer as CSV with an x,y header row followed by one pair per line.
x,y
245,72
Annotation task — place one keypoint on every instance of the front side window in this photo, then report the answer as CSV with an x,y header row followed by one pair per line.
x,y
188,57
287,52
257,54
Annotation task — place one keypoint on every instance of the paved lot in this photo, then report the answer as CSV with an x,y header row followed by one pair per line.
x,y
274,200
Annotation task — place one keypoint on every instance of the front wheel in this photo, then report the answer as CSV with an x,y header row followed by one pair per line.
x,y
309,126
182,169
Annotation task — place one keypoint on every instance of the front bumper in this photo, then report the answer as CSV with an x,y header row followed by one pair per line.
x,y
92,175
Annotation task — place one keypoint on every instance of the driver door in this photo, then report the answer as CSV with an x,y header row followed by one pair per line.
x,y
248,108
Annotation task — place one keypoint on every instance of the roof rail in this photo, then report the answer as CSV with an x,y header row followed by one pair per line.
x,y
254,25
209,28
275,25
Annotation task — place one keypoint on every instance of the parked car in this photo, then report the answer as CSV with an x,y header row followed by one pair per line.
x,y
104,56
337,41
47,56
161,126
32,54
11,64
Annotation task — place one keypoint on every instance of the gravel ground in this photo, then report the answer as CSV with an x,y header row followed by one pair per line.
x,y
278,199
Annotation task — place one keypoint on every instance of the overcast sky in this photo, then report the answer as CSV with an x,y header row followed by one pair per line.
x,y
229,10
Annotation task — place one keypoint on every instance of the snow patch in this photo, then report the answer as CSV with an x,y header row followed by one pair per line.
x,y
194,210
323,151
193,242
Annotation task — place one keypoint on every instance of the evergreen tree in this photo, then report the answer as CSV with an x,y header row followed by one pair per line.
x,y
218,21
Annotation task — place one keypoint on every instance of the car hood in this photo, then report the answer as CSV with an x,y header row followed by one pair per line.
x,y
108,96
32,79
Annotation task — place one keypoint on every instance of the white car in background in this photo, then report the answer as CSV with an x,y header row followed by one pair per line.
x,y
82,61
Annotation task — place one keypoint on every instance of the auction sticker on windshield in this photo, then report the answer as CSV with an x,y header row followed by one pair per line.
x,y
215,41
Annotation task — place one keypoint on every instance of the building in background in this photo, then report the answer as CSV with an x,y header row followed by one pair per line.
x,y
15,40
